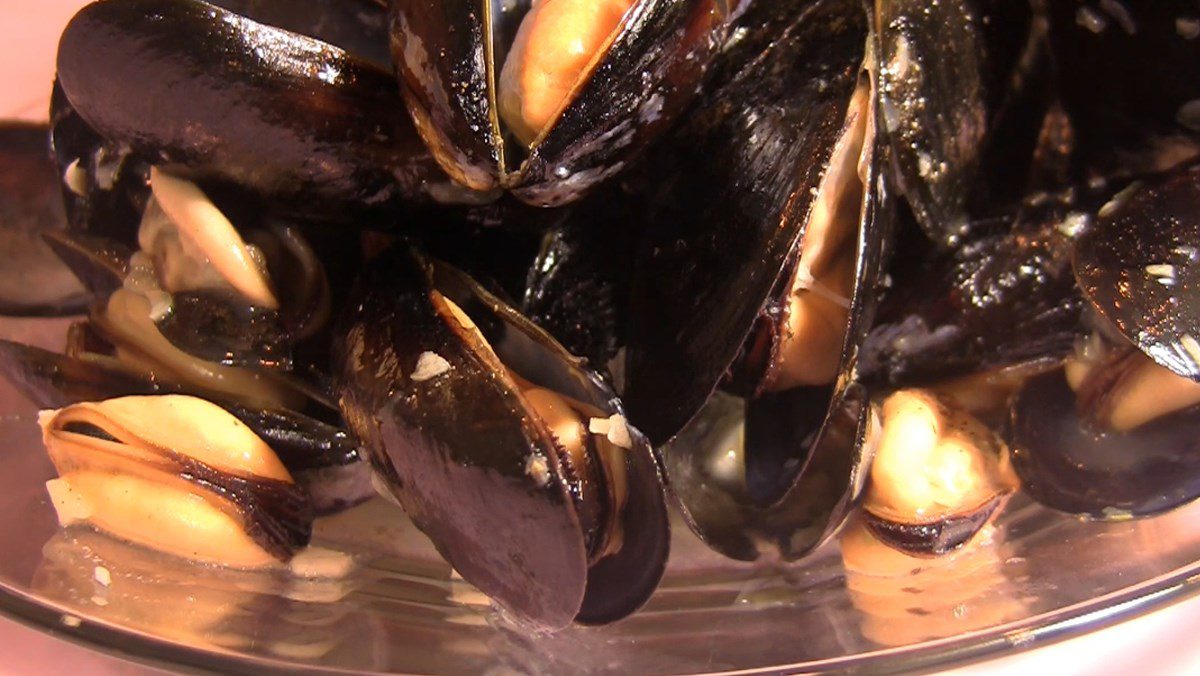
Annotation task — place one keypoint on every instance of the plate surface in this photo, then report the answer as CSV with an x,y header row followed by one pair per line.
x,y
382,600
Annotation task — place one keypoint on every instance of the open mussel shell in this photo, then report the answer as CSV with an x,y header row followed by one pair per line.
x,y
1139,266
175,473
939,474
181,83
32,280
1069,463
433,396
724,236
957,79
723,248
323,459
1128,117
451,60
706,464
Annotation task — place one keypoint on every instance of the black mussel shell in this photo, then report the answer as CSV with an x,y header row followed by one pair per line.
x,y
470,464
997,300
357,26
101,264
1128,116
932,539
578,287
736,185
32,280
181,82
647,76
53,380
709,481
105,186
958,79
720,252
1066,463
1139,266
324,460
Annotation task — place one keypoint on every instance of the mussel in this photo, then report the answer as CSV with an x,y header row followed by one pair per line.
x,y
226,99
1005,298
759,270
324,460
962,92
1138,463
516,461
1109,435
548,98
178,474
938,475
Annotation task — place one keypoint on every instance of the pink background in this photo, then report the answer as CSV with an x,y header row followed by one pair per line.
x,y
1160,643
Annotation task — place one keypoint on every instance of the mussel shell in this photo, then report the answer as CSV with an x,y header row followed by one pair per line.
x,y
448,58
997,300
577,289
946,71
650,73
117,182
1139,266
222,330
441,60
1067,464
936,538
357,26
736,187
714,495
456,448
182,82
322,458
101,264
32,280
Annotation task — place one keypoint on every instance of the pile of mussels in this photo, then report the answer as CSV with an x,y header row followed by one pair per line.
x,y
536,269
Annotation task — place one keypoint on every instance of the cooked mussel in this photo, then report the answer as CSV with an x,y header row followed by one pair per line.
x,y
32,280
1139,266
1110,434
1006,297
758,273
233,101
962,88
548,98
938,476
322,459
514,459
1071,461
203,302
177,474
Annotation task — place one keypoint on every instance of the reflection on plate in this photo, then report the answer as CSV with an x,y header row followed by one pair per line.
x,y
376,597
